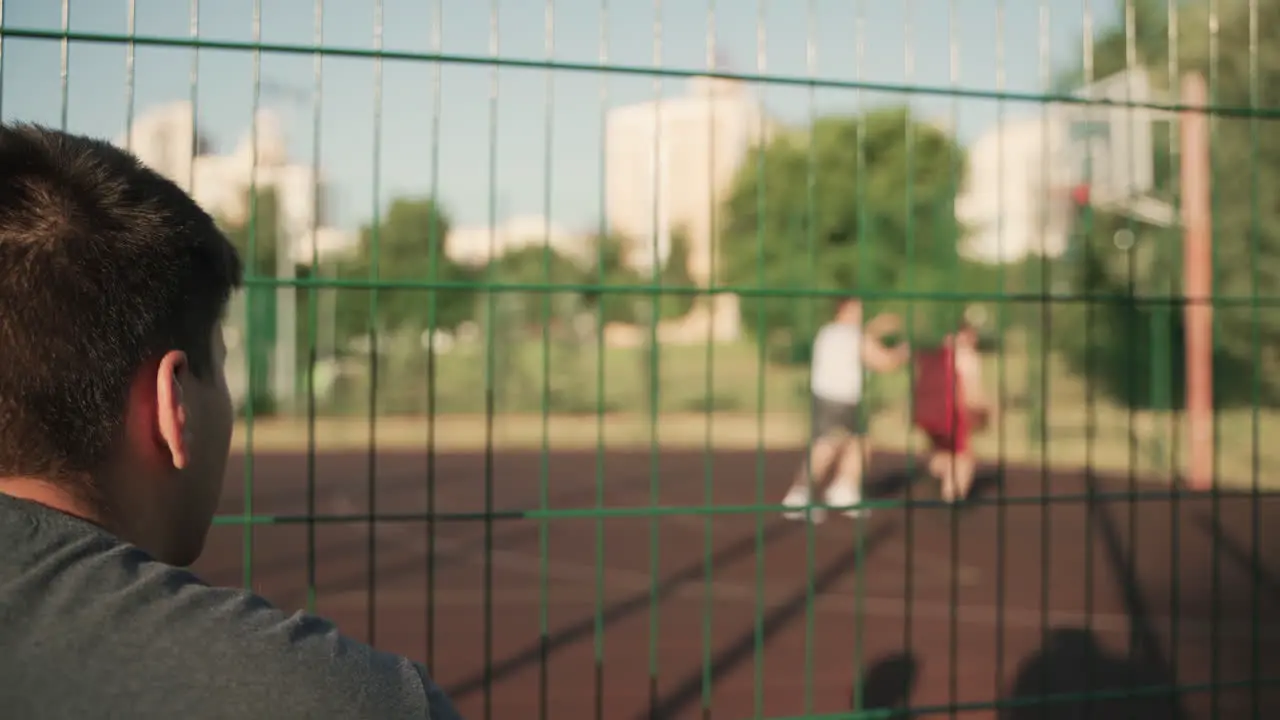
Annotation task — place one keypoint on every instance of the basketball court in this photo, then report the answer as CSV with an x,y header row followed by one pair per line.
x,y
706,604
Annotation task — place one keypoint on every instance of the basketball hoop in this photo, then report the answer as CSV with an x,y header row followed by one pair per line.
x,y
1080,195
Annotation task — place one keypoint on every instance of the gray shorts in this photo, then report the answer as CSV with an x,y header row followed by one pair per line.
x,y
830,418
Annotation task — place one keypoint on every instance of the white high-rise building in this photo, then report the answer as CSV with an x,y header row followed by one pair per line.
x,y
670,163
163,139
476,245
1013,203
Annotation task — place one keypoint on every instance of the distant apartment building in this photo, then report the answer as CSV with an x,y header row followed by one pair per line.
x,y
163,138
670,163
1015,203
476,245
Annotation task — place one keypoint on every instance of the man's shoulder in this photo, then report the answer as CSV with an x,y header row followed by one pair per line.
x,y
118,615
302,660
302,657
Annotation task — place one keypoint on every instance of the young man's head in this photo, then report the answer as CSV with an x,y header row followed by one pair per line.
x,y
113,285
849,310
966,336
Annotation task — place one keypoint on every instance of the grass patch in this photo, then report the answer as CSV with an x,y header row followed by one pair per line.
x,y
730,399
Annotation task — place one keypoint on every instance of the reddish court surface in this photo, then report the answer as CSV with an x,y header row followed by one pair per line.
x,y
960,607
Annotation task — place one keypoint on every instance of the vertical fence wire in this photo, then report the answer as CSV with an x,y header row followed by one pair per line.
x,y
1002,383
953,257
1255,342
491,350
709,298
1173,76
1215,498
251,298
544,470
659,176
758,605
1042,431
860,533
314,294
810,221
433,319
598,619
1090,400
910,518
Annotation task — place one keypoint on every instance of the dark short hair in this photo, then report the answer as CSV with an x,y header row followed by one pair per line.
x,y
104,266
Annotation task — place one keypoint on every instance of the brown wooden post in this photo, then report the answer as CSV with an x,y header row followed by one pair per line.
x,y
1197,268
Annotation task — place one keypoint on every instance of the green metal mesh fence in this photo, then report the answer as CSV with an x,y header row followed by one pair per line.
x,y
547,456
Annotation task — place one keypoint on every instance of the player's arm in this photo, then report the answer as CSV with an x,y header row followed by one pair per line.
x,y
878,357
882,325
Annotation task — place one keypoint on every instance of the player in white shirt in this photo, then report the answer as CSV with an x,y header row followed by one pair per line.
x,y
842,349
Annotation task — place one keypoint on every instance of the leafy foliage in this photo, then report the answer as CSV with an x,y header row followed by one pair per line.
x,y
405,247
1109,338
852,204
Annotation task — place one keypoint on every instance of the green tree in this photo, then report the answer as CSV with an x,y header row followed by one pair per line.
x,y
516,322
1131,284
257,237
405,248
535,266
675,275
610,271
864,202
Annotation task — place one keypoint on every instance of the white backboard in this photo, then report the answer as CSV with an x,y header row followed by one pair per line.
x,y
1107,143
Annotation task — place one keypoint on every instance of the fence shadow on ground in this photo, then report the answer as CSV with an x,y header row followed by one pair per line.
x,y
689,689
1072,676
639,602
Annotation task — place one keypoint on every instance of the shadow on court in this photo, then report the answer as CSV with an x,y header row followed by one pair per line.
x,y
637,602
689,689
1073,677
888,684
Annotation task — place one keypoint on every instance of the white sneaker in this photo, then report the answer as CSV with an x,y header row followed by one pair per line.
x,y
843,496
798,498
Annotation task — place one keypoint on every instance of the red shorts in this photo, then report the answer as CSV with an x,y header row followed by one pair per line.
x,y
940,409
955,441
954,437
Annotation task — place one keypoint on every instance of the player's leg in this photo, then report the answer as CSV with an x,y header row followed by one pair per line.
x,y
943,467
826,441
963,469
963,464
846,487
813,471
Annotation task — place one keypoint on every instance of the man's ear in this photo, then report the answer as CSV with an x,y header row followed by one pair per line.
x,y
171,410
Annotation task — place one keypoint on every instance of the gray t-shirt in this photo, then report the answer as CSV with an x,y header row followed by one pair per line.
x,y
91,627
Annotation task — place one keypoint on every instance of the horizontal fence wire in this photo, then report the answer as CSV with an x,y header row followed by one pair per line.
x,y
528,457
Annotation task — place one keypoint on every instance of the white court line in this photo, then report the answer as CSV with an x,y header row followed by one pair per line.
x,y
873,604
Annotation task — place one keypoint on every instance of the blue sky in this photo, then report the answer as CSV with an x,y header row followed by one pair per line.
x,y
97,94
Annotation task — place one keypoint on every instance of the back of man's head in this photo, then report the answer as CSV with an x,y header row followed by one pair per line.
x,y
848,308
105,266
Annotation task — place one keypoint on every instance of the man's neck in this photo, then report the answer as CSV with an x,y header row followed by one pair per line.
x,y
52,496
